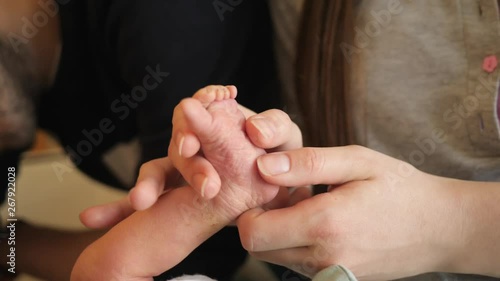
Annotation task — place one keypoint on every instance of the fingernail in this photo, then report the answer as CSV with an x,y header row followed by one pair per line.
x,y
203,186
262,125
180,142
204,180
274,164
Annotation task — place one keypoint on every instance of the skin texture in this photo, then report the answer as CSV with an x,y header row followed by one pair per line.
x,y
151,241
271,130
219,131
432,223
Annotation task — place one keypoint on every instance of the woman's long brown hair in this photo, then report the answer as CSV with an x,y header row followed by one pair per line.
x,y
322,76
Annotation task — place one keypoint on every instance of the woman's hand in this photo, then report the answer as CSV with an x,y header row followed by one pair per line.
x,y
382,218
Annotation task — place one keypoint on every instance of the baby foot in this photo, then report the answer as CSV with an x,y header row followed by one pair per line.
x,y
213,116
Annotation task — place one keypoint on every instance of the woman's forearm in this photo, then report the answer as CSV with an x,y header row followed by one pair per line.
x,y
476,226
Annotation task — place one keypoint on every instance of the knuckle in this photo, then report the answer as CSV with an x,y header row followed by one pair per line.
x,y
325,230
284,124
312,161
361,156
280,114
280,119
357,150
328,224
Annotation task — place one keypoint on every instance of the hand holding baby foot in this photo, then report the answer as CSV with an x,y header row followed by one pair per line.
x,y
211,121
148,242
271,130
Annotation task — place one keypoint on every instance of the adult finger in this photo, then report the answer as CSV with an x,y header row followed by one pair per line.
x,y
273,129
263,230
309,166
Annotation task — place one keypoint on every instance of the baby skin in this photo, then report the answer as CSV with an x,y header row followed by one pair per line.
x,y
209,134
213,121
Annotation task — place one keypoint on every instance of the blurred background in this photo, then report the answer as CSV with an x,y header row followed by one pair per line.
x,y
43,198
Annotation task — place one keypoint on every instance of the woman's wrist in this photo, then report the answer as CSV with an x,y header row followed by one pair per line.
x,y
469,230
448,231
437,206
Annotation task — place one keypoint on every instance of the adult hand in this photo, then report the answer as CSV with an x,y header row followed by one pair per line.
x,y
271,130
382,218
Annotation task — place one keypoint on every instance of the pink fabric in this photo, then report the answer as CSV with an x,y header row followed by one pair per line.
x,y
490,63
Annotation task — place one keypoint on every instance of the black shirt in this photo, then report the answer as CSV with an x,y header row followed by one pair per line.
x,y
126,64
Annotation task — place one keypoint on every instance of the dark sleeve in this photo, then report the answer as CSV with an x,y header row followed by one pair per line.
x,y
197,42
